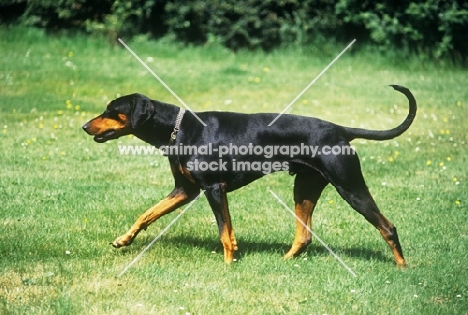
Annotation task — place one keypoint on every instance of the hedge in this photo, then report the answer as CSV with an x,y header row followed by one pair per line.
x,y
434,27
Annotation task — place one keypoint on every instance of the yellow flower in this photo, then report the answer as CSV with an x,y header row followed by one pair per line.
x,y
70,54
390,159
41,126
447,132
60,112
77,107
304,102
56,126
449,158
250,79
429,162
63,153
441,164
457,202
330,202
44,158
458,103
454,179
266,69
257,79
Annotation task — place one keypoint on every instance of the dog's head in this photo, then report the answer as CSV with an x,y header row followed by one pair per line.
x,y
122,117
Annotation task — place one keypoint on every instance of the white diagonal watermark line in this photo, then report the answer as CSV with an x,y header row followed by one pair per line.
x,y
160,234
315,235
161,81
312,82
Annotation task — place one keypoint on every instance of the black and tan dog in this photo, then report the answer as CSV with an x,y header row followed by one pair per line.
x,y
159,124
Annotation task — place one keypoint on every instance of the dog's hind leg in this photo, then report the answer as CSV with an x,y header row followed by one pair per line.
x,y
344,172
217,198
308,186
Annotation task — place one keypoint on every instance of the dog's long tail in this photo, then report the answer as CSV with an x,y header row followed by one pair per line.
x,y
354,133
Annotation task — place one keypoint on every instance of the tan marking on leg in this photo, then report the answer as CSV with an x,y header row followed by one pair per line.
x,y
186,173
163,207
302,237
388,231
227,235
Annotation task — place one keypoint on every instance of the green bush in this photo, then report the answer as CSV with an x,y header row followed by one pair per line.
x,y
64,13
249,23
437,27
432,27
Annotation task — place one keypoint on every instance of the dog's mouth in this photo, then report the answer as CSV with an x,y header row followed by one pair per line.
x,y
107,135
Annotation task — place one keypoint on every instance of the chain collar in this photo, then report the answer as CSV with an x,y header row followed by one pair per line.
x,y
178,121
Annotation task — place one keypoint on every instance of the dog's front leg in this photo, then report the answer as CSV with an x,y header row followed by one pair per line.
x,y
178,197
217,198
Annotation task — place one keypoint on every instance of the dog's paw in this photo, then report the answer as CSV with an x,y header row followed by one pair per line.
x,y
122,241
401,265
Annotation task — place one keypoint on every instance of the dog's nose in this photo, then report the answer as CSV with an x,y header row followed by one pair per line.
x,y
86,127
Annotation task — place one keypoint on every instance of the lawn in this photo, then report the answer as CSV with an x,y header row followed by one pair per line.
x,y
65,197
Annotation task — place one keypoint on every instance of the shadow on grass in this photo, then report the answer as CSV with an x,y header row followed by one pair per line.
x,y
275,248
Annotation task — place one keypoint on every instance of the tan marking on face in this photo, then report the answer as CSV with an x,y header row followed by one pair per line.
x,y
100,125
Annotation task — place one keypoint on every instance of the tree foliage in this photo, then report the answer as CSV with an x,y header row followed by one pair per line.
x,y
434,27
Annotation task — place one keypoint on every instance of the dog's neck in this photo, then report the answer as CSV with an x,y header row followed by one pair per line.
x,y
158,130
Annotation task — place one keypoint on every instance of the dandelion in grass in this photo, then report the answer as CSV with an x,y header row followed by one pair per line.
x,y
266,69
69,104
429,162
458,202
257,80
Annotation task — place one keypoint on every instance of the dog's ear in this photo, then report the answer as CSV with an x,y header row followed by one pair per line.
x,y
142,110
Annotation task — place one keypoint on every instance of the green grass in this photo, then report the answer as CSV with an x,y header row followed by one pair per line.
x,y
64,197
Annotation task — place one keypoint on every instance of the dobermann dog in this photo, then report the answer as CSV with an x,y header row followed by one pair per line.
x,y
165,125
